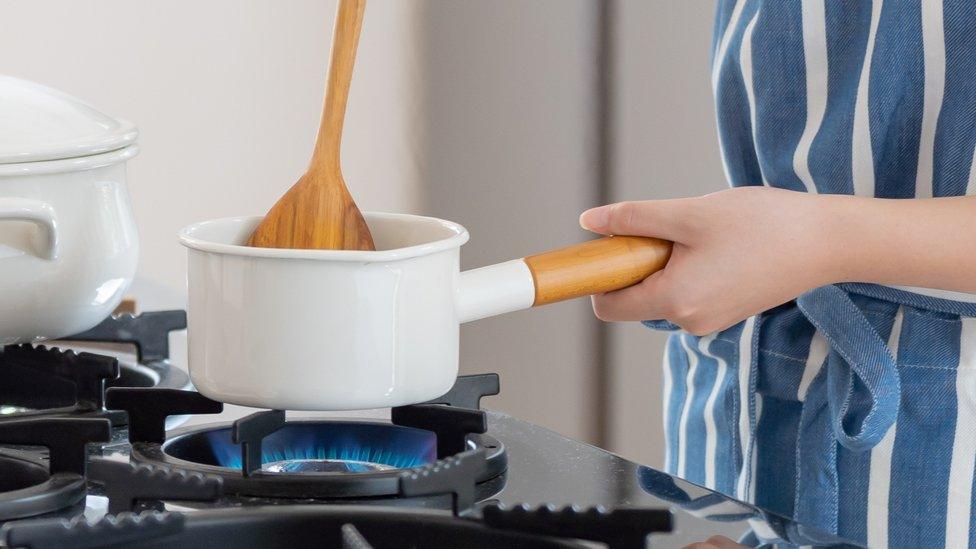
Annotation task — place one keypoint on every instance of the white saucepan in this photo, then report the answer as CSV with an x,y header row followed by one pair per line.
x,y
339,330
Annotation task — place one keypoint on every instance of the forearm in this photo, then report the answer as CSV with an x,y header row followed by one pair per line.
x,y
929,243
742,251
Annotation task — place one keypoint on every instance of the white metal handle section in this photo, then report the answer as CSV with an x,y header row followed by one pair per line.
x,y
495,290
40,213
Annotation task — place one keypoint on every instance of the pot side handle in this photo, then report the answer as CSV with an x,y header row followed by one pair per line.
x,y
594,267
39,213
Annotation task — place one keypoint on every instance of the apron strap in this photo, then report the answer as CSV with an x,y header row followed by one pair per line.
x,y
867,365
853,400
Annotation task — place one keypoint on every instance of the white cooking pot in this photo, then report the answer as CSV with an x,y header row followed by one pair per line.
x,y
338,330
68,242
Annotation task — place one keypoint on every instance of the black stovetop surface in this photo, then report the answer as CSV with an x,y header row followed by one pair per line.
x,y
548,469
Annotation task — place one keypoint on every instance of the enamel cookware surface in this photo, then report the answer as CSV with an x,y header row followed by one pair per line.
x,y
339,329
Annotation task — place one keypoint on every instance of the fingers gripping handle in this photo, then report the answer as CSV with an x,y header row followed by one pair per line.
x,y
594,267
37,212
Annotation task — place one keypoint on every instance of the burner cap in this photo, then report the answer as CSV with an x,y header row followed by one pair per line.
x,y
11,409
324,466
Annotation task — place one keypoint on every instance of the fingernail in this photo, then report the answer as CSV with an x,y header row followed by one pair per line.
x,y
595,218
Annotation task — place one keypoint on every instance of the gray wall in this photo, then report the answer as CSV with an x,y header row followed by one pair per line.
x,y
509,135
664,145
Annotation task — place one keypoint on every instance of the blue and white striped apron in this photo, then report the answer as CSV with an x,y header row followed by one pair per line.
x,y
853,408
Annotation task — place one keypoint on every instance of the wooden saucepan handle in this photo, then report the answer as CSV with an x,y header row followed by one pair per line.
x,y
595,267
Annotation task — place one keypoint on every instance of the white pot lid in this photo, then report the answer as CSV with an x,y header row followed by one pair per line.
x,y
41,123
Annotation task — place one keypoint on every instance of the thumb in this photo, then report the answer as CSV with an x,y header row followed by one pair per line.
x,y
657,218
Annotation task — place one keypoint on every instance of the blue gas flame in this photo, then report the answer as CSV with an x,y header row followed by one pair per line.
x,y
379,443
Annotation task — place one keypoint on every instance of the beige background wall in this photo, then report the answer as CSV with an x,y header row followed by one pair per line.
x,y
227,96
486,112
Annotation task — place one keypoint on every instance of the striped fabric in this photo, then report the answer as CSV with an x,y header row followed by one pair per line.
x,y
851,410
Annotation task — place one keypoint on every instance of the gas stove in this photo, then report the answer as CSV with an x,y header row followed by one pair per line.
x,y
110,469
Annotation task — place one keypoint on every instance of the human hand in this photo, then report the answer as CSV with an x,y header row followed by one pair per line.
x,y
736,253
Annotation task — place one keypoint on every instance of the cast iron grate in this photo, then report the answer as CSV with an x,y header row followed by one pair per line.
x,y
41,381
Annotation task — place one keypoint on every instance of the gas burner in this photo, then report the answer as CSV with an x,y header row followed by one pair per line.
x,y
33,482
38,381
312,447
265,456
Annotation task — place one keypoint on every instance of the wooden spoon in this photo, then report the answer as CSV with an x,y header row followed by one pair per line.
x,y
318,212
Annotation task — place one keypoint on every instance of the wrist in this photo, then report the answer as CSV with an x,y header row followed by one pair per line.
x,y
871,241
844,241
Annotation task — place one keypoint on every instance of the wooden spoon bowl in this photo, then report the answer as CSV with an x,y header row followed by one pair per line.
x,y
318,212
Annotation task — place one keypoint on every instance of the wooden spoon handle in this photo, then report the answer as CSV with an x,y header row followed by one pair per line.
x,y
345,39
595,267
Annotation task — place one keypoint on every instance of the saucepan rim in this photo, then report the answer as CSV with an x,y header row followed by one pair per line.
x,y
456,236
